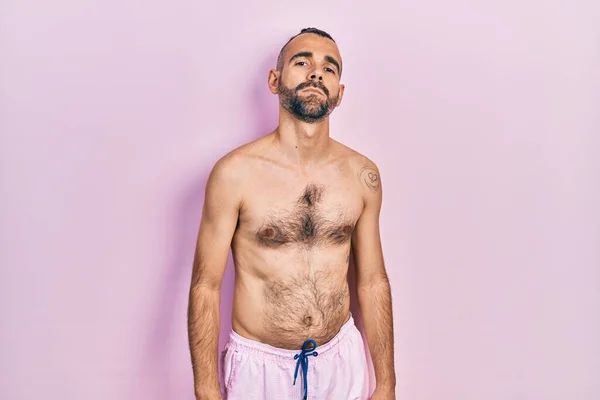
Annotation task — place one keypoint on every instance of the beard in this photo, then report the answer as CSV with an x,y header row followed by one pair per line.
x,y
309,108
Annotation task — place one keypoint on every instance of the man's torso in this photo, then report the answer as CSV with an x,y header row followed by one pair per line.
x,y
291,247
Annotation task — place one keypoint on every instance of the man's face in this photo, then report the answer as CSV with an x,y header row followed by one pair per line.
x,y
309,84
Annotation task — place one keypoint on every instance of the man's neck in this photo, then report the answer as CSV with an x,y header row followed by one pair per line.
x,y
301,142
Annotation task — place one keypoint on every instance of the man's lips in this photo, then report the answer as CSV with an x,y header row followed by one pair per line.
x,y
312,89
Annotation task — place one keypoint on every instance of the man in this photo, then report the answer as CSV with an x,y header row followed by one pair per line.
x,y
293,205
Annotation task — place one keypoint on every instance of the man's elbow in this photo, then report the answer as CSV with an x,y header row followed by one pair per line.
x,y
373,282
206,284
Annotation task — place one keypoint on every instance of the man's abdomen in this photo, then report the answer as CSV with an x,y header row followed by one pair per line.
x,y
284,308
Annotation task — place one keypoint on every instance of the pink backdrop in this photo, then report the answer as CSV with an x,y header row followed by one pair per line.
x,y
484,121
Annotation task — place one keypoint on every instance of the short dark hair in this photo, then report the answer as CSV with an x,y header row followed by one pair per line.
x,y
302,32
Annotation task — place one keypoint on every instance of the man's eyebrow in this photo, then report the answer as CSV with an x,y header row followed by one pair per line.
x,y
333,61
307,54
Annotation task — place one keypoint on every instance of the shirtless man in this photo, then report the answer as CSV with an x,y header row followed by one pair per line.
x,y
292,206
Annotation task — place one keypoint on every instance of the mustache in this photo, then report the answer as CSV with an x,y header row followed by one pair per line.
x,y
317,85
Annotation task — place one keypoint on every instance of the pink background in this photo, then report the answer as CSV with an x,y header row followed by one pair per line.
x,y
484,118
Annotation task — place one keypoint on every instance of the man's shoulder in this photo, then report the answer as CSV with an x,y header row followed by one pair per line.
x,y
357,160
363,168
234,165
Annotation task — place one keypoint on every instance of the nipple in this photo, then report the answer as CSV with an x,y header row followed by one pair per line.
x,y
269,232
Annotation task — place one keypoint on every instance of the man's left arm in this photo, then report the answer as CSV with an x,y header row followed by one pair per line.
x,y
372,284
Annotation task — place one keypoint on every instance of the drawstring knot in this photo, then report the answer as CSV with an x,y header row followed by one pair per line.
x,y
303,361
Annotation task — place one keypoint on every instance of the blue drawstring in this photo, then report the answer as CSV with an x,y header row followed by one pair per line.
x,y
303,359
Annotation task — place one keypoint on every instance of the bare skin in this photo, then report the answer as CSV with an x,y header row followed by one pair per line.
x,y
292,206
292,246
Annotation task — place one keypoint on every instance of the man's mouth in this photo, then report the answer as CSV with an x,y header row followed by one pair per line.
x,y
313,90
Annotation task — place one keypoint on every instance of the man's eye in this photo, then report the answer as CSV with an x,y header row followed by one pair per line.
x,y
300,62
330,70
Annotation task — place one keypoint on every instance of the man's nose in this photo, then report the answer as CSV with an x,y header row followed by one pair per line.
x,y
316,76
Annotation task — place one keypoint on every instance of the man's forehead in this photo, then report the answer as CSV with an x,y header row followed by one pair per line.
x,y
310,42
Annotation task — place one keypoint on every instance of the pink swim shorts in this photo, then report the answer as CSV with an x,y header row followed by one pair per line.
x,y
336,370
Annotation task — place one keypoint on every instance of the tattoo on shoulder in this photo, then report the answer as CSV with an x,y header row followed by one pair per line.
x,y
369,177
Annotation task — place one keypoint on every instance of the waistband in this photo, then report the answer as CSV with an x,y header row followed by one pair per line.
x,y
267,350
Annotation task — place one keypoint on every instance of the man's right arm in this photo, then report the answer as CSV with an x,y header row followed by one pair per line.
x,y
217,226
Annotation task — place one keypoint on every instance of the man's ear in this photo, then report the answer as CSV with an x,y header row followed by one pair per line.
x,y
341,94
273,80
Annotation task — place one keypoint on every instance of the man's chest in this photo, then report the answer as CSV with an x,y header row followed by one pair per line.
x,y
309,213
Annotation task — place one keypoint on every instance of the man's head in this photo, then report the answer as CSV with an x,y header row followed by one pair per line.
x,y
307,77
